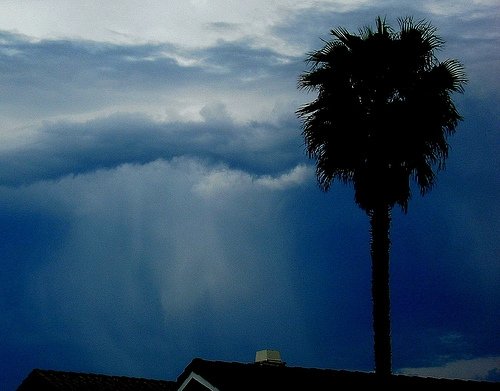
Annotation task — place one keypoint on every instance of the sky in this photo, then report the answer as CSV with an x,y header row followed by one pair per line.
x,y
157,205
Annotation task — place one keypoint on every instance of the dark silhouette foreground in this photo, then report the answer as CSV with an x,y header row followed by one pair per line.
x,y
203,375
380,120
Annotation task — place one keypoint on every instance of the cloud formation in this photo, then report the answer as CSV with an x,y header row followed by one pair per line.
x,y
147,253
51,78
69,148
156,203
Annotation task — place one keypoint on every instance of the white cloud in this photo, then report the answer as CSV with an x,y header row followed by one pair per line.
x,y
192,24
481,368
132,21
223,180
296,176
464,8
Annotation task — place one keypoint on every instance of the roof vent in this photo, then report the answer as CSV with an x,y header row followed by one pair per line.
x,y
268,357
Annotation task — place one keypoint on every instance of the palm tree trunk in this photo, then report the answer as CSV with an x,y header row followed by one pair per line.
x,y
380,223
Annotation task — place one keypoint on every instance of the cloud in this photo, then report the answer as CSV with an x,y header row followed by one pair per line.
x,y
481,368
223,179
144,253
296,176
76,106
462,8
187,23
64,148
47,78
216,113
81,80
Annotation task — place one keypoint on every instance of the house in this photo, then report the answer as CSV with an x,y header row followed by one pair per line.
x,y
268,372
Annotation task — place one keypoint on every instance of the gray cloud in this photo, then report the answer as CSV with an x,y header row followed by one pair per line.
x,y
53,77
224,27
48,78
64,148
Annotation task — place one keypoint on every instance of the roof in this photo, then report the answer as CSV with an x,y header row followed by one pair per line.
x,y
49,380
206,375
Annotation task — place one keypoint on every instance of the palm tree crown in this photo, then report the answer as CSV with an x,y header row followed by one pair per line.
x,y
383,111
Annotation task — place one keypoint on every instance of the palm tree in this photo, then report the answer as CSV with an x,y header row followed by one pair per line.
x,y
381,118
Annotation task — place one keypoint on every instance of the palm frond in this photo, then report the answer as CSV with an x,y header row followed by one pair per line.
x,y
347,39
383,110
456,71
429,36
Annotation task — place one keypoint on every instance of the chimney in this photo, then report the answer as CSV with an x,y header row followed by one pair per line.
x,y
268,357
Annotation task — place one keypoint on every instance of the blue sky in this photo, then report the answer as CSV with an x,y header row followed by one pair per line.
x,y
156,203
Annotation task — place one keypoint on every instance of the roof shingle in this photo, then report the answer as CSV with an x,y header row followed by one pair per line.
x,y
49,380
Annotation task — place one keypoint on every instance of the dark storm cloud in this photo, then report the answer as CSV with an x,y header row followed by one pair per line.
x,y
47,78
65,148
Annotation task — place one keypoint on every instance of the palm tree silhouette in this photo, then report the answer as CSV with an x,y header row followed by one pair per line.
x,y
381,119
